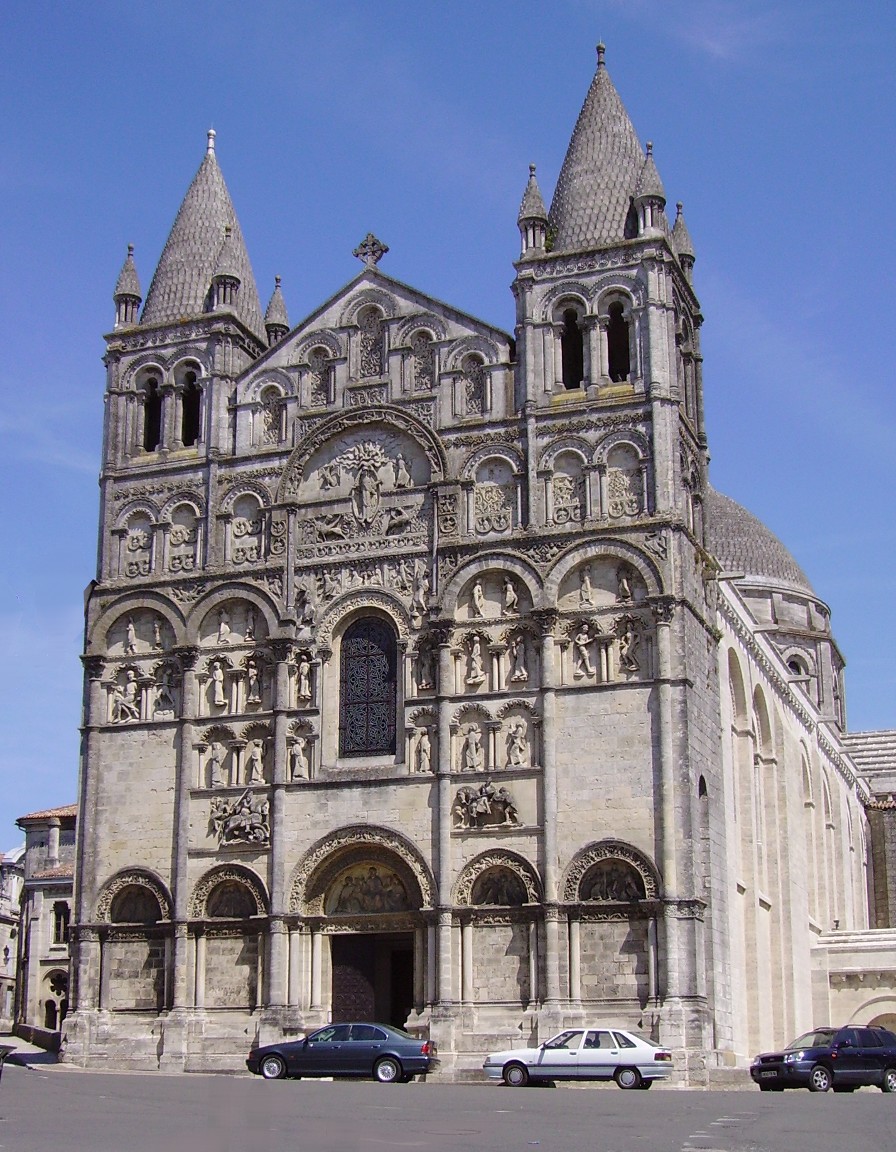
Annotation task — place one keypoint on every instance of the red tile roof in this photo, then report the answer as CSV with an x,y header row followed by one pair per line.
x,y
66,810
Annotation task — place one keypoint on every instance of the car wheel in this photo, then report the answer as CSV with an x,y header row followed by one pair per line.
x,y
628,1078
273,1068
888,1084
387,1070
820,1079
515,1076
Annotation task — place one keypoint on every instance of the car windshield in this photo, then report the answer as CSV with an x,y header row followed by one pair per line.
x,y
820,1038
564,1040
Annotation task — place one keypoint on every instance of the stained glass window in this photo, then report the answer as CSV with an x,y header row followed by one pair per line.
x,y
367,689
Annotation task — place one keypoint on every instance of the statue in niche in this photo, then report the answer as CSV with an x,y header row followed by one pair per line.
x,y
223,626
475,672
401,473
329,476
253,683
582,646
215,765
623,587
250,623
124,704
420,595
164,692
517,745
245,819
424,668
218,697
255,762
585,587
519,673
157,634
366,494
629,642
394,519
485,806
511,599
471,752
477,599
298,759
424,751
130,642
616,883
304,672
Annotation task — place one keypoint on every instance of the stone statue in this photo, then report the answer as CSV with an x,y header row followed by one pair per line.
x,y
485,806
246,819
215,770
394,519
517,745
498,886
330,527
218,698
629,643
124,705
623,587
402,475
424,751
582,644
255,762
519,673
164,692
471,753
299,759
223,626
366,495
329,475
157,633
250,623
585,588
332,585
475,673
424,668
477,599
420,596
511,599
253,683
304,671
130,643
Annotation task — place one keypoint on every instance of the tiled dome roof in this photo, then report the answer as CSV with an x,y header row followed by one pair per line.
x,y
742,543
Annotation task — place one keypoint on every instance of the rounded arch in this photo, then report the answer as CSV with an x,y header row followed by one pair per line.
x,y
471,709
569,293
136,508
341,423
514,863
324,861
584,860
326,340
613,549
573,444
352,605
132,878
503,452
420,322
277,377
236,592
228,874
366,298
498,562
614,293
99,632
184,365
191,500
245,488
629,438
763,722
460,349
737,688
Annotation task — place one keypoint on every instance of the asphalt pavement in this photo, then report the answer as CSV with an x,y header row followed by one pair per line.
x,y
56,1106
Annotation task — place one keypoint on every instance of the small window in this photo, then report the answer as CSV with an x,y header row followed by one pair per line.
x,y
368,689
152,415
565,1040
61,914
190,399
618,351
367,1032
332,1034
572,350
623,1040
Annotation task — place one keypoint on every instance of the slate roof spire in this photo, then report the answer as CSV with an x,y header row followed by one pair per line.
x,y
593,198
127,294
533,218
276,318
682,241
182,282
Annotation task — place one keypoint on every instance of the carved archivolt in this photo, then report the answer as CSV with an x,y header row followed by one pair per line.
x,y
613,550
519,706
573,291
463,347
610,850
518,865
574,444
471,711
245,488
369,598
216,876
422,321
424,716
329,857
364,298
133,877
628,439
492,452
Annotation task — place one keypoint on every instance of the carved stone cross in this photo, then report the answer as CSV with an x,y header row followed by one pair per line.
x,y
371,250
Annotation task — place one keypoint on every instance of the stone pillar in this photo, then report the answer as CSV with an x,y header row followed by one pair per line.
x,y
533,962
419,967
664,616
547,620
531,516
315,968
295,967
466,962
199,991
575,954
276,995
652,985
443,856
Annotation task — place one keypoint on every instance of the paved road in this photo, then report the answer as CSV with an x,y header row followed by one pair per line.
x,y
45,1108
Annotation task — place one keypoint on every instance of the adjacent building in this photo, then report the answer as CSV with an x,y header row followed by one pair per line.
x,y
427,677
11,872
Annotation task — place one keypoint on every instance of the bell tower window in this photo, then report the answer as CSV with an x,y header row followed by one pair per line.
x,y
368,689
618,347
571,350
152,416
190,401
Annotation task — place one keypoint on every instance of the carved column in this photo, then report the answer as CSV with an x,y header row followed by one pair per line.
x,y
575,956
296,947
85,872
444,817
663,611
183,784
466,962
277,958
315,968
532,462
546,620
199,990
592,349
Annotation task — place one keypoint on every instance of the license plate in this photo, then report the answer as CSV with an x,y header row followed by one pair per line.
x,y
767,1075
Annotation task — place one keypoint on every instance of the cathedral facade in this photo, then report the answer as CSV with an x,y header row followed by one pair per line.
x,y
427,679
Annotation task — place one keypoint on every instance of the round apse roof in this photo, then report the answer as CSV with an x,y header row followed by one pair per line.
x,y
742,543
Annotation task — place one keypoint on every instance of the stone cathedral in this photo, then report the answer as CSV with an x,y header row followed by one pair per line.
x,y
427,680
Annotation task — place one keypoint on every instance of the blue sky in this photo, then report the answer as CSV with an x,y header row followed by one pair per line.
x,y
773,122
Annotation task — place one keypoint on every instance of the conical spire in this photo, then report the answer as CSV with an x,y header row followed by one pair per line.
x,y
649,182
127,294
276,319
181,284
532,207
533,218
682,241
597,181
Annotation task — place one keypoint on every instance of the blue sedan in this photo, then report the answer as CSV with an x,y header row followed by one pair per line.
x,y
372,1051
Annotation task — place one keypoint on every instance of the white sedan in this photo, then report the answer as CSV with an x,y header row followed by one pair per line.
x,y
583,1054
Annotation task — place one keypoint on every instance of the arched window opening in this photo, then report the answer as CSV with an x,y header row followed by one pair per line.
x,y
189,421
797,667
701,789
475,400
152,415
320,368
368,689
372,328
61,915
618,351
572,350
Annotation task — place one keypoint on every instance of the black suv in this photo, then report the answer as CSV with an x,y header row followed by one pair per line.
x,y
840,1058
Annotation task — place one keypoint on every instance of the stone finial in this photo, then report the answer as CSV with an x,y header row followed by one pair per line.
x,y
601,51
210,148
371,250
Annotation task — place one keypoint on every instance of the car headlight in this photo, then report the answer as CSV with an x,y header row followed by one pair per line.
x,y
793,1057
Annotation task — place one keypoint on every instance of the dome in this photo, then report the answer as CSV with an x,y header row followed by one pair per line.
x,y
742,543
